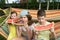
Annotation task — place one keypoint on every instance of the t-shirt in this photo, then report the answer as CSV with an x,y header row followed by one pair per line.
x,y
12,29
42,34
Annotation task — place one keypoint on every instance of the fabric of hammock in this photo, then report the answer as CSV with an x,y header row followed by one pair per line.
x,y
5,28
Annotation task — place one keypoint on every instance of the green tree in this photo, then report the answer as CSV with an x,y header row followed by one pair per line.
x,y
58,5
2,1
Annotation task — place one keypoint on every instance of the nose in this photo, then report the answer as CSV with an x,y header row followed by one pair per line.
x,y
23,18
40,19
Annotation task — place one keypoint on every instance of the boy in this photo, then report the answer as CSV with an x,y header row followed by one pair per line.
x,y
43,28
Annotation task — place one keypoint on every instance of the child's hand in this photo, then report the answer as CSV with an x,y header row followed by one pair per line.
x,y
55,35
12,22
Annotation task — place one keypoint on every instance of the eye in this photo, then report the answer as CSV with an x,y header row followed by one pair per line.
x,y
24,17
20,17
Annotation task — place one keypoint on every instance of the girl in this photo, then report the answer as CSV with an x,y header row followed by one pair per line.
x,y
25,30
12,29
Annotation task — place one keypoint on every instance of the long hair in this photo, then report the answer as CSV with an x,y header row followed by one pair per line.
x,y
29,19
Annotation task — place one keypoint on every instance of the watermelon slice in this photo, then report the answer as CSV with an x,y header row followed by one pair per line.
x,y
41,27
12,20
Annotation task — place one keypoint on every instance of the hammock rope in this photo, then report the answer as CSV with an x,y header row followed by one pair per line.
x,y
2,32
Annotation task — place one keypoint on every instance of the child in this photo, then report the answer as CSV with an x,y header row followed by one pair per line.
x,y
26,18
24,31
43,28
12,29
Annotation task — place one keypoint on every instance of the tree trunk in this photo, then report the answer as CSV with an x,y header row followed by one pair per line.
x,y
47,4
7,1
53,4
58,5
39,4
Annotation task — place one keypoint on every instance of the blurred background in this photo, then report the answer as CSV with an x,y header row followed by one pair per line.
x,y
29,4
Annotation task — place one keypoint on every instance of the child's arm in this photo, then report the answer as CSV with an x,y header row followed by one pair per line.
x,y
18,24
53,34
53,31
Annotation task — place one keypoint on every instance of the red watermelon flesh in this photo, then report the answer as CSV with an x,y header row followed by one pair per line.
x,y
12,20
38,28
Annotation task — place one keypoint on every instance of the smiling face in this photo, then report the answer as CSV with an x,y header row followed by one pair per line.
x,y
13,16
24,18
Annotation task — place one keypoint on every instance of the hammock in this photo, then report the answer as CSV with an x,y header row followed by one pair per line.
x,y
4,27
50,14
